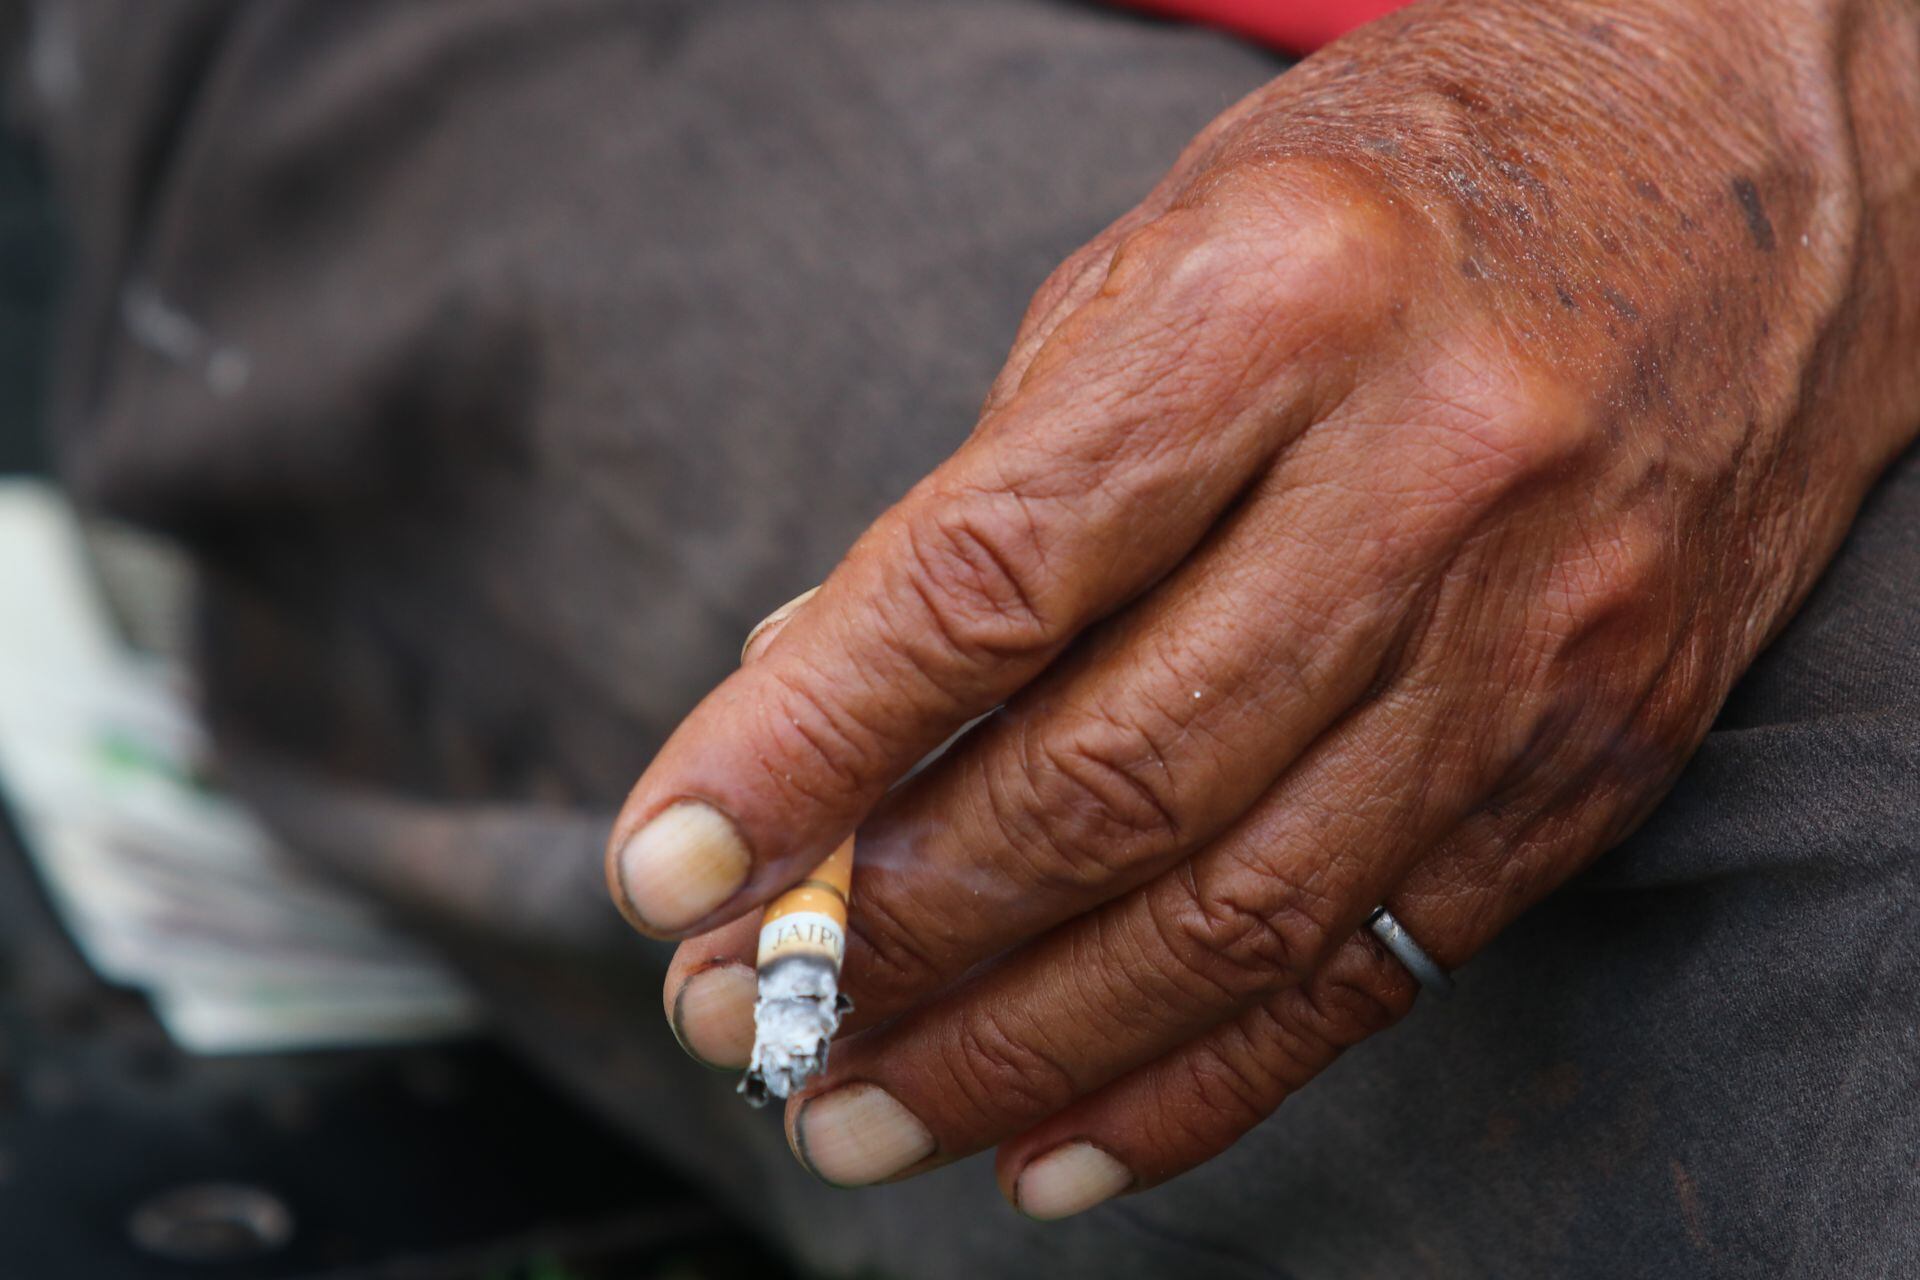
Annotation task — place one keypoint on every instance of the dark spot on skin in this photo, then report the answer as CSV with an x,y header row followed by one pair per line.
x,y
1470,98
1566,299
1600,33
1647,379
1469,268
1518,214
1649,190
1517,173
1619,302
1467,189
1609,241
1652,482
1759,226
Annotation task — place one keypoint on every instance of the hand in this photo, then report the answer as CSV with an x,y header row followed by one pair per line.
x,y
1379,513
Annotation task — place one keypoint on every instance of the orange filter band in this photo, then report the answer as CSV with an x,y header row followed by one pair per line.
x,y
811,918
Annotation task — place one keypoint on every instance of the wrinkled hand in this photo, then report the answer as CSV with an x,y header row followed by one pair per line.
x,y
1379,513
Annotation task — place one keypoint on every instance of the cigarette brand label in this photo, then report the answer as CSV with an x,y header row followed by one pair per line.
x,y
803,933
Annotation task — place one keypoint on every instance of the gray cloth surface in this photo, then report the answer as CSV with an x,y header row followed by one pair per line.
x,y
503,363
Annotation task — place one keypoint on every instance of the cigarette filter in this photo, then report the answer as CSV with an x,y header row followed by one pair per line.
x,y
803,942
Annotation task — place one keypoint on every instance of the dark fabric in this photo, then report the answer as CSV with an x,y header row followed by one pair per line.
x,y
531,353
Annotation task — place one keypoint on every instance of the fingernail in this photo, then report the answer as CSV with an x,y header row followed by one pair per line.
x,y
682,865
713,1015
1067,1180
768,627
858,1134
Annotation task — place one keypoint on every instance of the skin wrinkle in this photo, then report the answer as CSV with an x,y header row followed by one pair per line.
x,y
1114,795
895,955
973,581
1132,980
1147,996
1135,999
1109,750
1464,620
1034,1075
819,725
1234,950
905,640
1233,1087
1049,864
1024,856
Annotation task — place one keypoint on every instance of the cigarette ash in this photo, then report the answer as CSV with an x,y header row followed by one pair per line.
x,y
799,1009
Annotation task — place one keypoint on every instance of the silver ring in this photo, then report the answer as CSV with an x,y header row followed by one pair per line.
x,y
1395,938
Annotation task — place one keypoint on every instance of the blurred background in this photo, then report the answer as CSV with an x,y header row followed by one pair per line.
x,y
196,1088
500,365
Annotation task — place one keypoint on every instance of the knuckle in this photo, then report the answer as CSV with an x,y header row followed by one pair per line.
x,y
1105,795
1330,233
1037,849
1354,998
1050,313
1494,423
1002,1074
1616,579
1529,755
1588,671
1230,1085
977,569
1268,252
1238,948
825,753
895,964
1065,280
1148,251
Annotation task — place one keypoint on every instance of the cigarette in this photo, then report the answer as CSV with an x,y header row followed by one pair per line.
x,y
803,943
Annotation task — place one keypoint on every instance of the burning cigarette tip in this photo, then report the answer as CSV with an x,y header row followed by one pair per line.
x,y
794,1022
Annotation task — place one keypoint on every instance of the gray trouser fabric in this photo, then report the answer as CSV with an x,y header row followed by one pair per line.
x,y
502,363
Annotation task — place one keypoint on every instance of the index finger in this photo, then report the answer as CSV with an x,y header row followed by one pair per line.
x,y
1073,497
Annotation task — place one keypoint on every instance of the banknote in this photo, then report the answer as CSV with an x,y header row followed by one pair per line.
x,y
166,884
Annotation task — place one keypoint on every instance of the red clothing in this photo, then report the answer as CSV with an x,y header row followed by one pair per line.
x,y
1298,26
